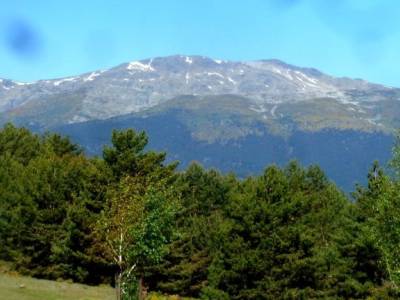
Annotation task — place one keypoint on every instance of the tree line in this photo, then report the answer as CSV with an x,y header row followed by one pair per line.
x,y
130,219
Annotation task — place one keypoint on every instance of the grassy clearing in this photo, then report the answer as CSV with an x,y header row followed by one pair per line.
x,y
26,288
16,287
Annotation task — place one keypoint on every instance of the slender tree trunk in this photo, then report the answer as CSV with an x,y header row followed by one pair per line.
x,y
141,289
118,286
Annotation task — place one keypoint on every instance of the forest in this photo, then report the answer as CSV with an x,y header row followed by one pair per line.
x,y
134,221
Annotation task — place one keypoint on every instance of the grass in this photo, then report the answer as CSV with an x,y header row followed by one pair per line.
x,y
16,287
25,288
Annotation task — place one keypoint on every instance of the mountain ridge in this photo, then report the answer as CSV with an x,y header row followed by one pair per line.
x,y
139,85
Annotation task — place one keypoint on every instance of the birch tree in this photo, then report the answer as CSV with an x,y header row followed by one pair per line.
x,y
134,229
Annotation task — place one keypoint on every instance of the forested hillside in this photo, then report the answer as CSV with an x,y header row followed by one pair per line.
x,y
132,220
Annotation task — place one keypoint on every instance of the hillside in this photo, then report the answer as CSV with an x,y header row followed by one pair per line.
x,y
235,116
26,288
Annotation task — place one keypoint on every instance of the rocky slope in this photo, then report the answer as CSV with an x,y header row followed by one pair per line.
x,y
270,86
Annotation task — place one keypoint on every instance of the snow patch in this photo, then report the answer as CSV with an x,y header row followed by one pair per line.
x,y
288,75
218,61
22,83
273,110
276,70
92,76
138,66
231,80
347,100
215,74
305,83
285,73
258,109
187,77
362,111
58,82
372,121
188,60
77,119
310,79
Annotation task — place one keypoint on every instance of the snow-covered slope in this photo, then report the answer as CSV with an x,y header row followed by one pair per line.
x,y
140,85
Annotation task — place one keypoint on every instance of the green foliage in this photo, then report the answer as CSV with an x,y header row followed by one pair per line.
x,y
184,270
126,156
60,145
20,143
136,224
286,234
49,197
379,206
137,220
288,238
395,162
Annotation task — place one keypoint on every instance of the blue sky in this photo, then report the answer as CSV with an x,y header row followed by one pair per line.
x,y
55,38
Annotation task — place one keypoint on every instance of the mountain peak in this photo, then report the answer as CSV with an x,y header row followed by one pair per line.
x,y
139,85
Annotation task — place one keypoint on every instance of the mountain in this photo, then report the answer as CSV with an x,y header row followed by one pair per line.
x,y
236,116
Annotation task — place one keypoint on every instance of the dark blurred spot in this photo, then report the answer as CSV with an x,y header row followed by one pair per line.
x,y
22,39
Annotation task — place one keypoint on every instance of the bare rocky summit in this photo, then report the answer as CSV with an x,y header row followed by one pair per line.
x,y
268,85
